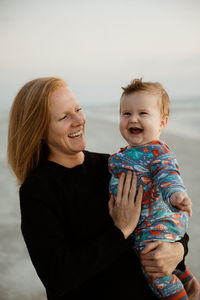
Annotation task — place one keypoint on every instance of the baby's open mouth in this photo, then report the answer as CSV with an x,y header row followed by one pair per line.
x,y
135,130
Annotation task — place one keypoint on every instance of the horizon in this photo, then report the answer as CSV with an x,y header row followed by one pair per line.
x,y
99,46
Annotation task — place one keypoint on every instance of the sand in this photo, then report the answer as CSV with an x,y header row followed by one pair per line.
x,y
18,279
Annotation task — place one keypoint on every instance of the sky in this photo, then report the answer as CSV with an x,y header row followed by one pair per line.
x,y
98,46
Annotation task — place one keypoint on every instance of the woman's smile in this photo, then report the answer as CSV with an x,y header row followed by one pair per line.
x,y
76,134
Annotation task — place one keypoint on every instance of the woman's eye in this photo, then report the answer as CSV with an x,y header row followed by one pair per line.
x,y
65,117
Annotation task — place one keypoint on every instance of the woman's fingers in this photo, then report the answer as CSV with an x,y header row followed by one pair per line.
x,y
162,258
148,248
133,188
111,203
120,187
127,187
138,201
136,205
123,187
124,210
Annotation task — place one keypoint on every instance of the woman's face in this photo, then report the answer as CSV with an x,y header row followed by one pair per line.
x,y
66,134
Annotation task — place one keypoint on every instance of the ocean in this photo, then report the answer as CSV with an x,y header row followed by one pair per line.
x,y
184,119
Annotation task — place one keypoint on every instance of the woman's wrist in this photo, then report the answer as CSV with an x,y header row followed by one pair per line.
x,y
125,232
184,241
179,250
181,263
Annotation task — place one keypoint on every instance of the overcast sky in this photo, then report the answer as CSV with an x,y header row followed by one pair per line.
x,y
97,46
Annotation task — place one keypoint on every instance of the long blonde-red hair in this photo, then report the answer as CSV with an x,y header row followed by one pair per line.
x,y
28,125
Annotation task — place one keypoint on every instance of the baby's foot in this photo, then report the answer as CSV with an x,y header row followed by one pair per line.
x,y
192,288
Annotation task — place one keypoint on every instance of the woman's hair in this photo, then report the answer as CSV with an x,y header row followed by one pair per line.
x,y
137,85
28,125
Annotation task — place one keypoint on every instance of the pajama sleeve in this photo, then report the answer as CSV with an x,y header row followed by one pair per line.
x,y
166,175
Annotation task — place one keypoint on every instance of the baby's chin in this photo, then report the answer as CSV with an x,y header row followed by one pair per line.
x,y
145,143
136,145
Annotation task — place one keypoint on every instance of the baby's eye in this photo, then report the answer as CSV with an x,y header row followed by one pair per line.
x,y
79,109
143,113
126,113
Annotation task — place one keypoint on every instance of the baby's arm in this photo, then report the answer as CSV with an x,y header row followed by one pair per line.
x,y
166,175
181,201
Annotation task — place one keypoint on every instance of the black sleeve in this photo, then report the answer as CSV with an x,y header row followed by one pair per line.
x,y
61,268
184,242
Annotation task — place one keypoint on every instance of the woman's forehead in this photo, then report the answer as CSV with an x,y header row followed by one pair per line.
x,y
62,98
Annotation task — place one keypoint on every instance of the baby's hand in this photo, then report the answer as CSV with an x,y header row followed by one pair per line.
x,y
181,201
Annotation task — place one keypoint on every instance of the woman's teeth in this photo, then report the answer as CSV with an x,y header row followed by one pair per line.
x,y
76,133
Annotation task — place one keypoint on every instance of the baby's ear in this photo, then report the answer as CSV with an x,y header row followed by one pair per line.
x,y
164,121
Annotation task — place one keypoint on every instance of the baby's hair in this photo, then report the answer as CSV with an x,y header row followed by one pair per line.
x,y
137,85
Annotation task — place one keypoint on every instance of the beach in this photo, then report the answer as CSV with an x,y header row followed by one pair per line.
x,y
18,279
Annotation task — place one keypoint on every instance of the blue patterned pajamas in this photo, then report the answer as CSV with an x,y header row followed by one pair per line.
x,y
158,172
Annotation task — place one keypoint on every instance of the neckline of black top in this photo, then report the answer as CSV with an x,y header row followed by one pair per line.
x,y
59,166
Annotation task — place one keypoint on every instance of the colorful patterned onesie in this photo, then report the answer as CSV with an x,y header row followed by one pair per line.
x,y
157,170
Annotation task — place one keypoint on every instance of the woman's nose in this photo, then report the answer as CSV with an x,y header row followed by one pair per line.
x,y
78,119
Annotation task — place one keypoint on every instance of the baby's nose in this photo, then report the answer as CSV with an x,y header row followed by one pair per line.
x,y
133,118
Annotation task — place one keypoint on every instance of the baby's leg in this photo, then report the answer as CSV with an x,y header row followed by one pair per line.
x,y
168,287
190,283
185,276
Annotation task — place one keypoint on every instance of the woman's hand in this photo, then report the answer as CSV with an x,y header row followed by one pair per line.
x,y
159,259
125,210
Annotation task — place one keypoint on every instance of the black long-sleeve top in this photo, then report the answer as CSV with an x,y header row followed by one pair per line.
x,y
73,243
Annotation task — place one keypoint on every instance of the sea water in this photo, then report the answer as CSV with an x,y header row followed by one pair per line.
x,y
184,118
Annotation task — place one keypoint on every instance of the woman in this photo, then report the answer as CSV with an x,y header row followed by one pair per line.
x,y
78,246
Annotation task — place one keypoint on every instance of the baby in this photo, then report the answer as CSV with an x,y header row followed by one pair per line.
x,y
144,110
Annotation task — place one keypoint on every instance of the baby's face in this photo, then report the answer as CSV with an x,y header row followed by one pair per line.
x,y
140,118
